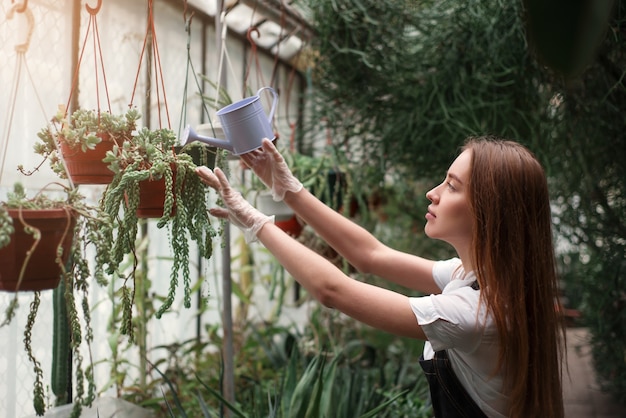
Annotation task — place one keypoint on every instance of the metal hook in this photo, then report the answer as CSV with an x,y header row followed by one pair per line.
x,y
30,21
21,9
94,10
249,34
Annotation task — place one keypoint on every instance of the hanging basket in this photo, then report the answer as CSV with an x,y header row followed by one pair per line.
x,y
42,270
87,167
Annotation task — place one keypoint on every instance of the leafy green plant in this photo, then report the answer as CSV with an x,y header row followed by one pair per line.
x,y
150,156
92,227
83,130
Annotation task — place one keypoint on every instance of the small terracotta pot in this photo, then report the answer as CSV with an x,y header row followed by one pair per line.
x,y
87,167
152,197
42,271
291,226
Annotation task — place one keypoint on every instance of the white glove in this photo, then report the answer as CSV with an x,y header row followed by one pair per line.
x,y
240,213
270,166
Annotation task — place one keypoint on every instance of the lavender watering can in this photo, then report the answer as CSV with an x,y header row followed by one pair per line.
x,y
244,124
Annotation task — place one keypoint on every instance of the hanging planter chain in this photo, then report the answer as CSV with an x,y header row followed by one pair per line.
x,y
158,70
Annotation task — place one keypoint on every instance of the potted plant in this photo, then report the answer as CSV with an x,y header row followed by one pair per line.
x,y
28,240
284,217
79,142
148,161
35,243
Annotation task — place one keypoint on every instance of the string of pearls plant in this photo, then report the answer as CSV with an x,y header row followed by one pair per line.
x,y
92,226
150,156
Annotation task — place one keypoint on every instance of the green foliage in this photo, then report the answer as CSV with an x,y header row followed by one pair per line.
x,y
60,375
355,381
6,227
271,360
150,156
587,148
328,175
406,82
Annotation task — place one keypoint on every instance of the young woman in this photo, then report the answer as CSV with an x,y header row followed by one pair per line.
x,y
494,338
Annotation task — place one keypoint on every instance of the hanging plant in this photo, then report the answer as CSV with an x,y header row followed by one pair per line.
x,y
80,141
148,158
565,36
82,226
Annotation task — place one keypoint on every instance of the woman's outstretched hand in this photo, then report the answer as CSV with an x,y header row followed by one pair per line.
x,y
270,166
237,209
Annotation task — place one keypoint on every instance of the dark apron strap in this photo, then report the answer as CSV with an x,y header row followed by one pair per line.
x,y
449,397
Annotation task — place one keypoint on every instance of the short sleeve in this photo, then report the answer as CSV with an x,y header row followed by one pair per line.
x,y
450,319
444,271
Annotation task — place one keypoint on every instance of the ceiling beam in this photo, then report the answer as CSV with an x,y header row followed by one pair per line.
x,y
282,14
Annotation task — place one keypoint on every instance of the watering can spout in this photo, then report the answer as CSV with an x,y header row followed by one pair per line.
x,y
190,136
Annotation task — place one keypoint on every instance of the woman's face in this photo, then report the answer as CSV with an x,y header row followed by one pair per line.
x,y
448,218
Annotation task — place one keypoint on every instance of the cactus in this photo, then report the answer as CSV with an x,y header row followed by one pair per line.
x,y
60,347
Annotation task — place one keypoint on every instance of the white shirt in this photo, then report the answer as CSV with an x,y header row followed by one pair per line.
x,y
455,321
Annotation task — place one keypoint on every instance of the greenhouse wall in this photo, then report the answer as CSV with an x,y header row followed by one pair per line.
x,y
37,50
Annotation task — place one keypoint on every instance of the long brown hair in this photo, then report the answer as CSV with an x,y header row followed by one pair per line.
x,y
513,258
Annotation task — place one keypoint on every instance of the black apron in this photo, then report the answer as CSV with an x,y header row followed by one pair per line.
x,y
449,397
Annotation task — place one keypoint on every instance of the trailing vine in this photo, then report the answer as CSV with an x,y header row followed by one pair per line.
x,y
150,156
38,392
6,227
93,228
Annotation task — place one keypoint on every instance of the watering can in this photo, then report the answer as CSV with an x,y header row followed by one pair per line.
x,y
244,124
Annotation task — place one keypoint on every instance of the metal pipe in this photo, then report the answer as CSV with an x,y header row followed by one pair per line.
x,y
228,384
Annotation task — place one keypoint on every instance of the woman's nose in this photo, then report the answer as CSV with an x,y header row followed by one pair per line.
x,y
431,194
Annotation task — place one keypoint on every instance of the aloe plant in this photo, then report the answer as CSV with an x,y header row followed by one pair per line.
x,y
346,384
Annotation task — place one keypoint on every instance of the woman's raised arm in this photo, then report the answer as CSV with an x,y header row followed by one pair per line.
x,y
360,248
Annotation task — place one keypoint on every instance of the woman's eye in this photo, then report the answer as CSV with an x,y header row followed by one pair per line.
x,y
450,185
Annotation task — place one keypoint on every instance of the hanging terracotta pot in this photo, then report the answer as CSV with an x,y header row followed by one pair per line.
x,y
152,197
42,270
87,167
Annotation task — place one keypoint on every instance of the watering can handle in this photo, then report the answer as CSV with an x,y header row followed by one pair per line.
x,y
274,101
